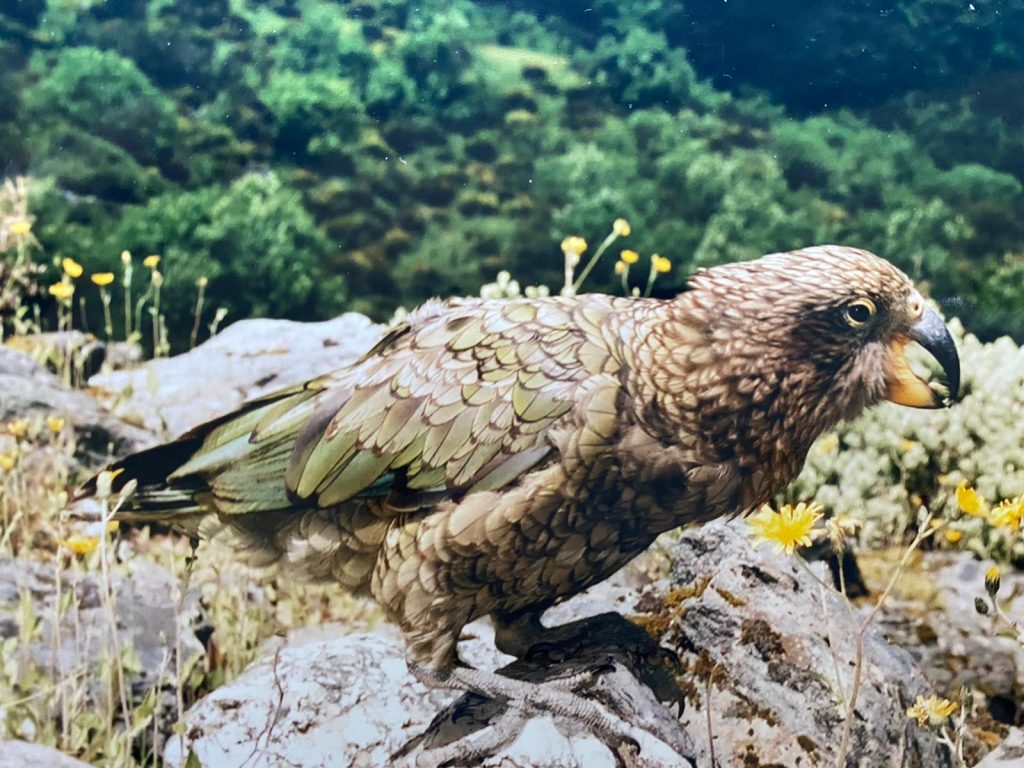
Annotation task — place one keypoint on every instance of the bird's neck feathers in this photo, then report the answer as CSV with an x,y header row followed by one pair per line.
x,y
730,393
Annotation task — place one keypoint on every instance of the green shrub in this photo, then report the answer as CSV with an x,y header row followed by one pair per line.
x,y
259,248
307,105
105,94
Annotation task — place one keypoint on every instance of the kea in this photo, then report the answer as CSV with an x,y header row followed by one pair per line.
x,y
495,457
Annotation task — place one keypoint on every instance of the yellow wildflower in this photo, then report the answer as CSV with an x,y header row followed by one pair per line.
x,y
574,244
629,256
621,228
18,428
786,529
151,261
969,500
72,268
932,711
55,423
1008,514
620,267
660,263
102,278
20,228
126,257
62,291
992,580
202,281
953,536
82,545
7,461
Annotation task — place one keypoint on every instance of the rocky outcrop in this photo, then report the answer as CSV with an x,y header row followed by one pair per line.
x,y
29,390
753,633
756,634
21,754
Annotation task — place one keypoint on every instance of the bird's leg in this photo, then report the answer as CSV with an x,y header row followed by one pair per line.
x,y
623,712
593,682
529,697
528,636
476,728
524,636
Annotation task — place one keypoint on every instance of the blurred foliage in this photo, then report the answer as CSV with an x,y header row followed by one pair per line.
x,y
306,155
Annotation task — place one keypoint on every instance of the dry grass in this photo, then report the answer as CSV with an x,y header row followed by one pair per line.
x,y
73,688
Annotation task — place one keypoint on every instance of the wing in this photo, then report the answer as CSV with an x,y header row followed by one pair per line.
x,y
458,398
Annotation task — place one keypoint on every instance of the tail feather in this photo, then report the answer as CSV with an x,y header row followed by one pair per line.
x,y
219,468
228,477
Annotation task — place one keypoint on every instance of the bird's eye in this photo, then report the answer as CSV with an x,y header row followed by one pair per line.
x,y
858,312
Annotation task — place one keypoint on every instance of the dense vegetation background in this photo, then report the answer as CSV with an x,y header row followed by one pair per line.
x,y
309,156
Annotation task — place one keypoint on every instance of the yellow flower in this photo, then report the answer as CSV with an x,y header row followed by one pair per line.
x,y
969,500
620,267
103,278
18,428
151,261
72,268
574,244
629,256
660,263
82,545
55,423
62,291
7,461
953,536
1008,514
20,228
932,711
786,529
621,228
202,281
126,257
992,580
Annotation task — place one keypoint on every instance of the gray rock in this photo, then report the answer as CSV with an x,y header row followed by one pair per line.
x,y
753,631
147,619
22,754
27,389
348,701
1009,754
245,360
88,355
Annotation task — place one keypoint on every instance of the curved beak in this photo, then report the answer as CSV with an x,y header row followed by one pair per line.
x,y
905,387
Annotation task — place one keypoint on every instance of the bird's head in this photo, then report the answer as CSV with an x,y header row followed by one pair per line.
x,y
844,315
